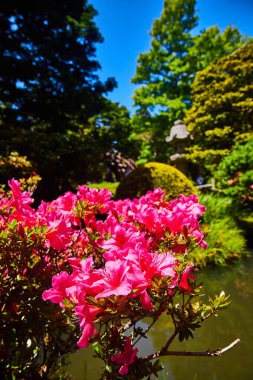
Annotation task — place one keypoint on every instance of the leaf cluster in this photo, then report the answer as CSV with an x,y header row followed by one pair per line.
x,y
25,267
235,174
225,239
221,111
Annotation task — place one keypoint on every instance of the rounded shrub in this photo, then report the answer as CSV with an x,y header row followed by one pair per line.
x,y
152,175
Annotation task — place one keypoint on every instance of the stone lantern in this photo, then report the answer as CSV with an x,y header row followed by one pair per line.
x,y
179,139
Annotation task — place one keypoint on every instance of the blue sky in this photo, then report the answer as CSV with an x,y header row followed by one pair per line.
x,y
125,26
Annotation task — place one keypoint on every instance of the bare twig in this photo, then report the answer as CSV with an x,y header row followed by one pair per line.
x,y
217,352
163,351
146,331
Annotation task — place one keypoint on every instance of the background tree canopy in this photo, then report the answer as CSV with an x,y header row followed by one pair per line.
x,y
234,176
50,93
47,63
222,107
54,109
164,74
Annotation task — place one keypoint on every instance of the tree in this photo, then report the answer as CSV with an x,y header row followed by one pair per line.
x,y
165,73
235,175
49,87
222,108
212,44
114,125
109,130
162,74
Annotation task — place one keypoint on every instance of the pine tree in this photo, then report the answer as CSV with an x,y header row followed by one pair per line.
x,y
163,75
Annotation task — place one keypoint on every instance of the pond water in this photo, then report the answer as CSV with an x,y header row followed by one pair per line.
x,y
234,322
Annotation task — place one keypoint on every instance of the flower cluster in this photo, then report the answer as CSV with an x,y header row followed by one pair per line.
x,y
127,258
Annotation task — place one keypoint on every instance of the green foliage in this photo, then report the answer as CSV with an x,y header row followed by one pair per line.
x,y
221,109
31,330
235,175
246,223
152,175
217,206
225,239
86,160
225,242
165,73
211,45
111,186
48,70
12,166
112,128
18,167
163,77
53,106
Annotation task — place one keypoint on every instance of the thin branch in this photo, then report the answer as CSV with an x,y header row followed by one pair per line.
x,y
130,324
217,352
169,341
146,331
163,351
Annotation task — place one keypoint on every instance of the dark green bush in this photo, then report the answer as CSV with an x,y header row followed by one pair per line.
x,y
152,175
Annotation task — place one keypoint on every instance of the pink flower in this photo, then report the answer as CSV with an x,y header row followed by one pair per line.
x,y
58,230
87,314
184,283
126,357
66,202
115,280
155,264
145,301
122,234
199,238
21,197
164,264
121,257
83,276
155,196
60,284
20,202
151,219
124,238
94,197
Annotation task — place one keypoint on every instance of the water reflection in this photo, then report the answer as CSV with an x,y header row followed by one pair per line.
x,y
234,322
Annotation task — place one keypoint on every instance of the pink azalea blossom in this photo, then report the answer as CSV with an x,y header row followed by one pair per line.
x,y
94,197
58,233
121,258
87,314
58,227
114,280
184,282
145,301
20,205
60,284
151,219
126,357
